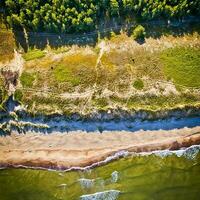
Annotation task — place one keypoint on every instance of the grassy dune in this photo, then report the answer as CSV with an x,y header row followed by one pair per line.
x,y
122,74
116,73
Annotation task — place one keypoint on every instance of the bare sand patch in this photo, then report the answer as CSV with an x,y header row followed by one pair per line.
x,y
80,149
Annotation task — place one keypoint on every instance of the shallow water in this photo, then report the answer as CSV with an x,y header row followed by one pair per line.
x,y
123,125
161,175
123,121
64,125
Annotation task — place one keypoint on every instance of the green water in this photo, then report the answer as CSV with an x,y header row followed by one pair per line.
x,y
137,178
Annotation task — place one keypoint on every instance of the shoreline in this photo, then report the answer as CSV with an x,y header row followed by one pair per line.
x,y
81,150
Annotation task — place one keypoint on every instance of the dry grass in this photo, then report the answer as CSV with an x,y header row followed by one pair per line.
x,y
63,73
7,45
111,81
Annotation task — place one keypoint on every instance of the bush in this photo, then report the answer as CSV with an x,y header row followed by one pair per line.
x,y
33,54
27,79
138,84
65,74
3,96
18,95
139,32
112,34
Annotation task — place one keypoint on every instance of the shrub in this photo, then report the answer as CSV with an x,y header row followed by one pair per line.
x,y
27,79
65,74
138,84
139,32
112,34
18,95
33,54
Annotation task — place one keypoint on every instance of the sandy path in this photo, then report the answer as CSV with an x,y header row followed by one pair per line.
x,y
82,149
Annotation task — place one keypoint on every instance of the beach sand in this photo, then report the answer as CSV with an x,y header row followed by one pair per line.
x,y
80,149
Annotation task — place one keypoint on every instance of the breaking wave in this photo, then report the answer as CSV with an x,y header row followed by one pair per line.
x,y
105,195
189,153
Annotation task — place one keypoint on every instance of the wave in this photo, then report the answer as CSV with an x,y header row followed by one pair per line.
x,y
189,153
105,195
86,183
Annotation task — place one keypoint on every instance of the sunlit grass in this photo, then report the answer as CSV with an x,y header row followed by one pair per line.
x,y
33,54
118,72
27,79
182,65
138,84
65,74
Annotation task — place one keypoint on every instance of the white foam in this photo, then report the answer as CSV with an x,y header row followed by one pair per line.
x,y
190,152
114,176
86,183
63,185
116,156
105,195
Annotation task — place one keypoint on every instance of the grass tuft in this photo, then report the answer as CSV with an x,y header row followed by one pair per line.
x,y
138,84
33,54
27,79
65,74
18,95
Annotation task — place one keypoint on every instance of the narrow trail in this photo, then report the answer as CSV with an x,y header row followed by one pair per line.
x,y
102,47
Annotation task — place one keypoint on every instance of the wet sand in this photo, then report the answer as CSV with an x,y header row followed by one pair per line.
x,y
80,149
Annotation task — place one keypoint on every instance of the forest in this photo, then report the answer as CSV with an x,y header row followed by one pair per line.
x,y
70,16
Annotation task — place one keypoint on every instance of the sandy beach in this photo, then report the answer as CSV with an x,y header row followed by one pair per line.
x,y
80,149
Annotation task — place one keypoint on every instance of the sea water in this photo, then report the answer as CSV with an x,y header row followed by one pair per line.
x,y
157,175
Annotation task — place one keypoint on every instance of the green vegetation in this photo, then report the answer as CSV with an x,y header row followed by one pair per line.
x,y
100,103
138,177
62,74
27,79
18,95
3,92
65,74
80,16
6,46
138,84
138,32
74,82
33,54
7,43
182,65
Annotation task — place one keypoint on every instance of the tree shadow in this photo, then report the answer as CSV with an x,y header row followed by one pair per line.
x,y
40,40
174,28
154,29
